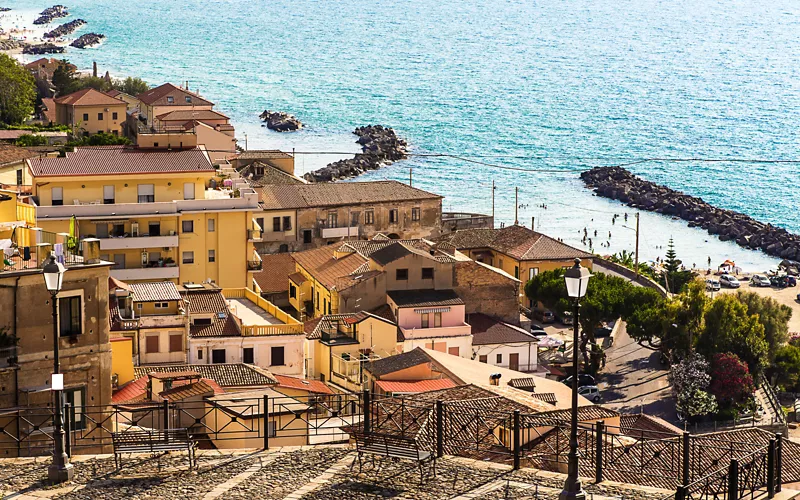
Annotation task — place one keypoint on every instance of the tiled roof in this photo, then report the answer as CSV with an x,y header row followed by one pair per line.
x,y
226,375
219,327
406,387
547,397
115,160
183,115
321,264
274,272
339,194
271,175
13,154
390,253
174,374
49,109
518,242
487,330
381,367
588,413
205,301
385,312
262,154
131,392
297,278
89,97
199,388
643,425
158,97
523,383
314,386
425,298
368,248
156,291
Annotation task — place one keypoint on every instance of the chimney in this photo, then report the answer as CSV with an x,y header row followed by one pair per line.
x,y
94,69
494,379
91,250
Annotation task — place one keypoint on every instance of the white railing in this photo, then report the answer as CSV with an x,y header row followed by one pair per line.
x,y
146,273
139,242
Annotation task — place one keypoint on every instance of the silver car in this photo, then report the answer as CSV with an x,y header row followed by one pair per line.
x,y
729,281
760,280
712,285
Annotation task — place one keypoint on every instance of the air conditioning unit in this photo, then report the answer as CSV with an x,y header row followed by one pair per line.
x,y
134,228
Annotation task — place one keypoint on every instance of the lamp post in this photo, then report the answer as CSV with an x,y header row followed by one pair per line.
x,y
60,470
577,280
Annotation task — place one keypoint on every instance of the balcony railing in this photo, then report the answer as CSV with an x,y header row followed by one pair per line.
x,y
146,273
163,321
339,232
128,242
441,331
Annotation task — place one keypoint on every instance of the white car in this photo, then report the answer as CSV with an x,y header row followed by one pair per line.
x,y
729,281
712,285
760,280
590,392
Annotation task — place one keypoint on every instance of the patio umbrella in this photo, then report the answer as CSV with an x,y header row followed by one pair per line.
x,y
74,234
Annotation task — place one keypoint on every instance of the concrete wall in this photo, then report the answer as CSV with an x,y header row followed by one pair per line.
x,y
527,352
122,359
486,291
262,351
86,117
442,274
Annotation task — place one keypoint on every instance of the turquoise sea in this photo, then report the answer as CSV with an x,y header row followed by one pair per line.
x,y
547,86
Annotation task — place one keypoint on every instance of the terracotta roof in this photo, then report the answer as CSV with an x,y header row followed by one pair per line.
x,y
314,386
226,375
487,330
385,366
274,272
368,248
321,264
385,312
157,291
262,154
523,383
89,97
174,374
313,328
183,115
49,109
205,301
310,327
113,92
417,386
131,392
587,413
547,397
643,425
219,327
390,253
158,97
339,194
12,154
297,278
116,160
181,392
425,298
518,242
271,175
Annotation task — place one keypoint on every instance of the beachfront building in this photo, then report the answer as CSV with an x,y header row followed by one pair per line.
x,y
89,111
43,68
154,211
133,102
265,167
304,216
516,250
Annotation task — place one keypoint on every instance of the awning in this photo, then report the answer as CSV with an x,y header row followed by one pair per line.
x,y
430,310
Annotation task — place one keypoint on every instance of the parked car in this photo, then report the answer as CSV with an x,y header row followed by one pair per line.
x,y
729,281
590,392
564,318
760,280
602,332
791,281
798,297
584,379
538,331
779,281
544,315
712,285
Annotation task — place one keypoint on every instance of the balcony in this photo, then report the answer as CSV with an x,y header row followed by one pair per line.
x,y
336,338
170,320
146,273
453,221
254,235
436,332
8,356
256,264
139,242
339,232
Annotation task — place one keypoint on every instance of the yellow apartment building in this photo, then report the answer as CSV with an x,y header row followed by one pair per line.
x,y
154,212
167,98
90,111
13,171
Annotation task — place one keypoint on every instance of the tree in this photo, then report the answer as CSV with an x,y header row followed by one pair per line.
x,y
671,262
98,139
729,328
131,85
674,279
772,315
786,367
689,380
731,382
63,78
17,91
30,140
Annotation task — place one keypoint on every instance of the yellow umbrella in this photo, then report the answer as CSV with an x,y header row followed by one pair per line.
x,y
74,234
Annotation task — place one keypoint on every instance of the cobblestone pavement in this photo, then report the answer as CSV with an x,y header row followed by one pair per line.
x,y
297,473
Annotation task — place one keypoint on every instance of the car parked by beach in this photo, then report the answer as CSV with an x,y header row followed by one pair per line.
x,y
590,392
712,285
565,318
729,281
760,280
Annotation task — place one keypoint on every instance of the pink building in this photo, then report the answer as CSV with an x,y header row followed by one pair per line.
x,y
433,319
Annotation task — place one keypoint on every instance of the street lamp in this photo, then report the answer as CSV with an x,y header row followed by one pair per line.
x,y
577,280
60,470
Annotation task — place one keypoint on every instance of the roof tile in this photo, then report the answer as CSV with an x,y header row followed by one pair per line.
x,y
226,375
518,242
116,160
158,97
339,194
276,268
314,386
487,330
89,97
154,291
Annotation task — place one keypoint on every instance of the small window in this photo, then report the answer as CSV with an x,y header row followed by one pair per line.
x,y
427,273
415,213
162,305
188,190
211,225
218,356
175,342
306,236
500,263
86,117
19,177
108,195
154,228
426,320
292,292
482,358
69,311
76,397
393,216
201,321
333,219
188,257
534,271
499,358
401,274
114,116
155,144
276,224
170,99
276,356
151,344
455,351
516,272
199,354
287,223
188,98
437,320
57,195
248,356
100,116
212,255
146,193
187,226
369,217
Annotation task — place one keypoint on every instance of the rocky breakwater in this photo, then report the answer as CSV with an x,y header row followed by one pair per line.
x,y
379,145
65,29
280,121
87,40
43,48
47,15
619,184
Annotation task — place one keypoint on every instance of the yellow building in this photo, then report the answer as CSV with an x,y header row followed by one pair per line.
x,y
154,211
13,171
90,111
517,250
167,98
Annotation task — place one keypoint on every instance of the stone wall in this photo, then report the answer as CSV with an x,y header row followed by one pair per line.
x,y
487,291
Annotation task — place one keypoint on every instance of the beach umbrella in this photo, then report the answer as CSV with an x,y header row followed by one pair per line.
x,y
74,233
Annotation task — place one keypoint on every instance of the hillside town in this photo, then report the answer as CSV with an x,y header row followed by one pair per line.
x,y
176,293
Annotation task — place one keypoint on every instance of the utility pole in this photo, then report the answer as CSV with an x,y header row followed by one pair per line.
x,y
493,188
410,179
516,206
533,223
636,263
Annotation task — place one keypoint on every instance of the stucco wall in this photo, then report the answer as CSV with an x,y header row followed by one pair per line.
x,y
488,292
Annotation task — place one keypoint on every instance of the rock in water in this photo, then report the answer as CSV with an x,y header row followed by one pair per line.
x,y
65,29
88,40
280,121
47,15
44,48
379,145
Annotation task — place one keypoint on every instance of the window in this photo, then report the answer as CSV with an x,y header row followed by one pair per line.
x,y
154,229
292,292
188,98
393,216
516,272
283,248
86,117
499,358
482,358
369,217
276,356
100,116
57,195
170,99
175,342
101,230
426,320
199,354
354,216
151,344
187,226
119,261
401,274
162,305
114,115
455,351
76,397
19,177
69,311
415,213
248,356
276,224
188,190
108,195
500,263
217,356
118,230
146,193
333,219
188,257
324,305
306,236
211,225
212,256
287,223
437,320
201,321
533,272
427,273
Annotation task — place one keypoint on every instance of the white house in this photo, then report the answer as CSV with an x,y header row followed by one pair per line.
x,y
501,344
